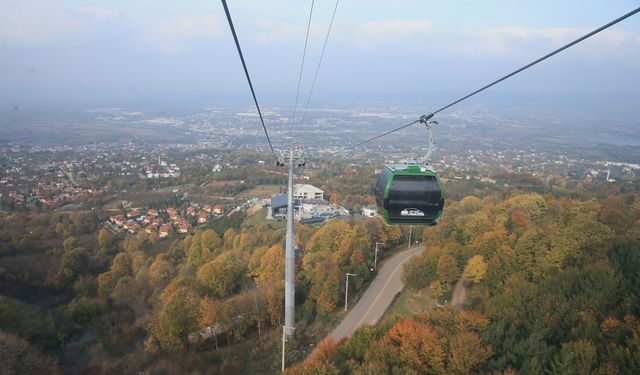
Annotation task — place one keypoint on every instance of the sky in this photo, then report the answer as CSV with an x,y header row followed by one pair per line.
x,y
82,54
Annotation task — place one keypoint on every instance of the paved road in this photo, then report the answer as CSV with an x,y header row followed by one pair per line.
x,y
378,297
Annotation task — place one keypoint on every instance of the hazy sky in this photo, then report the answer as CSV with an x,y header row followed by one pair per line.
x,y
115,52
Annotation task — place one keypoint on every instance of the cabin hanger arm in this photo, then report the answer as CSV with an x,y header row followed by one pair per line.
x,y
426,120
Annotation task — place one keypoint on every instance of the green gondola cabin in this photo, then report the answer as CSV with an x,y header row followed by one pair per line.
x,y
409,194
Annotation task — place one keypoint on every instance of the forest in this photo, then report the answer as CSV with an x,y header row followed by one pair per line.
x,y
81,298
549,274
552,286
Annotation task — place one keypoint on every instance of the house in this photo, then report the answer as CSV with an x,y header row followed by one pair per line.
x,y
183,226
117,220
202,218
191,211
172,212
135,212
152,212
151,228
133,227
488,180
218,209
165,231
207,208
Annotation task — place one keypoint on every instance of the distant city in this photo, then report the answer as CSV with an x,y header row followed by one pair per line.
x,y
44,155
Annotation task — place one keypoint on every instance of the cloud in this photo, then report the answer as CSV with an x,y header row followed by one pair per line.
x,y
97,12
198,26
554,35
26,24
172,36
42,23
34,24
376,31
504,41
270,31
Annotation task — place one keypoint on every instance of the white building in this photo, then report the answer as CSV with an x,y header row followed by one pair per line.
x,y
306,191
369,212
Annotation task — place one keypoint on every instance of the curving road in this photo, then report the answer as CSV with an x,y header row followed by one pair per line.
x,y
378,297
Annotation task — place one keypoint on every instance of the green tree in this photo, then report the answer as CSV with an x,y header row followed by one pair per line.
x,y
221,276
178,318
419,273
211,240
105,239
70,243
578,357
120,271
81,311
228,237
72,263
437,289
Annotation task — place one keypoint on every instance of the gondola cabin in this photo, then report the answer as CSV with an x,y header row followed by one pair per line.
x,y
409,194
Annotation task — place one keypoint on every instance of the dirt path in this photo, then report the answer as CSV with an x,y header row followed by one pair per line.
x,y
459,295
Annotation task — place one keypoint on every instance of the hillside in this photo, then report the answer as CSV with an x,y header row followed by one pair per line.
x,y
552,288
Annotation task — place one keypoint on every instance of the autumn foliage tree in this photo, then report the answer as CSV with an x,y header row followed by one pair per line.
x,y
554,288
554,291
221,276
476,268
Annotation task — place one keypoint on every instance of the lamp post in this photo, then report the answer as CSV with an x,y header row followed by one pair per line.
x,y
346,290
375,260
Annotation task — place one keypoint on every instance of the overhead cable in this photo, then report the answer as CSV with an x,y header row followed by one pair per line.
x,y
246,72
304,53
315,77
594,32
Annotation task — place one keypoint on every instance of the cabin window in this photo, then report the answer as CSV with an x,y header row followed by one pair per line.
x,y
414,192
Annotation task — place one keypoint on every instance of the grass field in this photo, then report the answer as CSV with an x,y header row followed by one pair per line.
x,y
261,191
260,217
408,303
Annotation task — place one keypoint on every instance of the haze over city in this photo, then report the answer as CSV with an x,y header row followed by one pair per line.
x,y
79,54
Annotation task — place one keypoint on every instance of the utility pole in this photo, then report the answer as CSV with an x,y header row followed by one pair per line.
x,y
346,290
409,242
375,261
